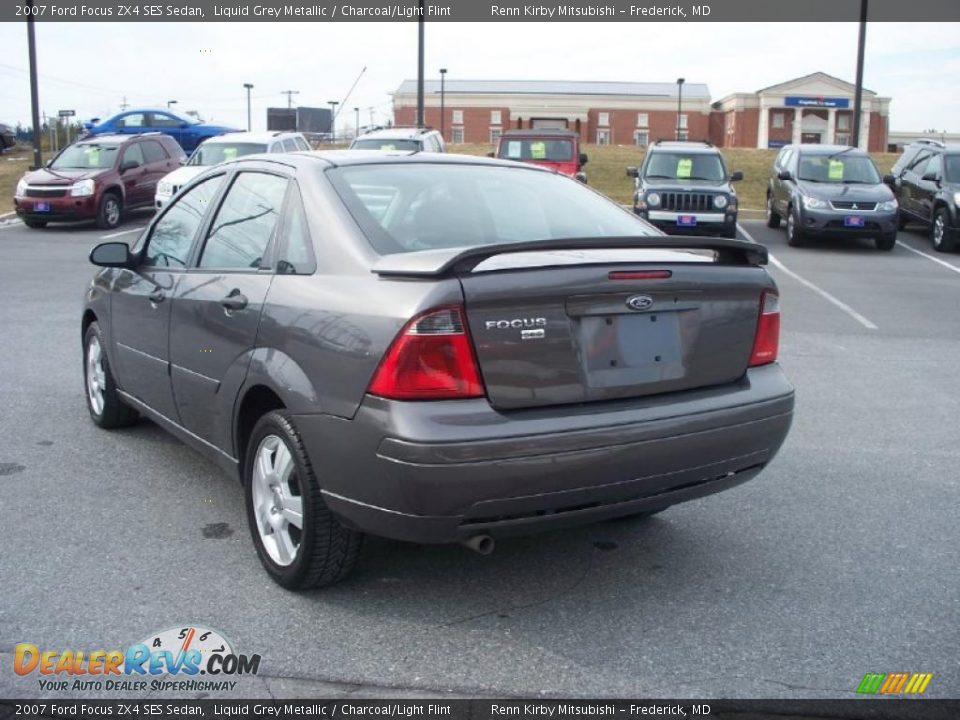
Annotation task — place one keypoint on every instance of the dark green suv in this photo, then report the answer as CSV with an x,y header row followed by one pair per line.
x,y
926,181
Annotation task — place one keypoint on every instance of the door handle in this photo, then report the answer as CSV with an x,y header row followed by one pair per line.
x,y
157,296
236,300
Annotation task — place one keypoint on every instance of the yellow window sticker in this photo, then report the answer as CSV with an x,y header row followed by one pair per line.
x,y
229,153
684,167
538,150
835,172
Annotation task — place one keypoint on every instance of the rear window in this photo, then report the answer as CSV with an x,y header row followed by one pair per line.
x,y
537,149
410,207
951,168
385,144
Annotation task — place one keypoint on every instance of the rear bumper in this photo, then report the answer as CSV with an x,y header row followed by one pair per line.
x,y
441,472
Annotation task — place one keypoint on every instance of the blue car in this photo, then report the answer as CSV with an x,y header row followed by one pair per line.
x,y
186,131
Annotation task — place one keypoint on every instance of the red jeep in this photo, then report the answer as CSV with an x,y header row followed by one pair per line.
x,y
553,148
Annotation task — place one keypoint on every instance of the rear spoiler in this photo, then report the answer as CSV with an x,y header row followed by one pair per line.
x,y
443,261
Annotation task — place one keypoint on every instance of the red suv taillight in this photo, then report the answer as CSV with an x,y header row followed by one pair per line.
x,y
431,359
767,341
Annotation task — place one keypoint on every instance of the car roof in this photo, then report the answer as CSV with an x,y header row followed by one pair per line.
x,y
541,132
684,145
347,158
257,137
407,133
816,149
115,138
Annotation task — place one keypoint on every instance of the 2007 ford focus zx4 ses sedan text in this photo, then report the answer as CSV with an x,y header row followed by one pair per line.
x,y
434,348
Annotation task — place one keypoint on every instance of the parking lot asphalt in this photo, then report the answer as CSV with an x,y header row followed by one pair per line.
x,y
840,559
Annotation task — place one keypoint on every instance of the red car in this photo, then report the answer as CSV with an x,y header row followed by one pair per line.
x,y
98,178
553,148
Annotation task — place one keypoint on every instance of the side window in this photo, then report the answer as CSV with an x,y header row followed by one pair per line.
x,y
169,243
301,143
289,145
164,121
244,224
785,157
133,120
934,166
919,162
296,249
133,153
154,152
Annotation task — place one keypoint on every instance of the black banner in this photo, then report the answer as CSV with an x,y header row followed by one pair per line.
x,y
865,709
641,11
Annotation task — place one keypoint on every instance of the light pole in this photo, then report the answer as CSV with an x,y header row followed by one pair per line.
x,y
443,124
333,120
171,102
356,133
420,67
858,92
34,93
680,82
249,87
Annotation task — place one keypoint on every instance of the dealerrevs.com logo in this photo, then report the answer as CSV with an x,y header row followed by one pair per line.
x,y
169,660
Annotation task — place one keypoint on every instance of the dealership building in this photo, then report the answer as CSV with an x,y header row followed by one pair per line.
x,y
816,108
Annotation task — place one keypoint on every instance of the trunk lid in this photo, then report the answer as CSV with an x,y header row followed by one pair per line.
x,y
577,325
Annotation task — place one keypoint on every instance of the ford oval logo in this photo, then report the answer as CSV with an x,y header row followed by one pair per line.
x,y
639,302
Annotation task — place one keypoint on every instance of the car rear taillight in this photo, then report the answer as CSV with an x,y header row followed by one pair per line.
x,y
431,359
767,341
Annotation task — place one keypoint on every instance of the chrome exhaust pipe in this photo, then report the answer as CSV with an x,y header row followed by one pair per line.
x,y
482,544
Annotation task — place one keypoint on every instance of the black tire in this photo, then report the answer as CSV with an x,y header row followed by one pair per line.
x,y
112,413
794,233
885,242
34,223
642,515
110,212
326,551
941,234
773,220
730,232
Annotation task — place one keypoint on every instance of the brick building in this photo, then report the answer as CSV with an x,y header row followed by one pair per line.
x,y
813,108
619,113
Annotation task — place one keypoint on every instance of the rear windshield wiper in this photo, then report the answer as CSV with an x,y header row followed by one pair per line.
x,y
838,154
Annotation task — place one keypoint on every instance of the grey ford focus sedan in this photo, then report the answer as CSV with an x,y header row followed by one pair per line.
x,y
434,348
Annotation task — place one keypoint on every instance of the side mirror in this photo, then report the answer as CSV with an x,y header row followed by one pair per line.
x,y
736,176
581,177
889,180
931,177
129,165
491,154
89,125
111,254
785,175
633,172
184,126
583,159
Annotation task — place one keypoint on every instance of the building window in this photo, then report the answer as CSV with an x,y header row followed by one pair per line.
x,y
495,117
458,117
778,120
603,119
683,121
643,120
641,137
457,138
603,137
682,135
494,135
843,139
843,122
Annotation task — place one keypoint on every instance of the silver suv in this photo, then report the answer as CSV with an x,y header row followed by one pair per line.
x,y
415,139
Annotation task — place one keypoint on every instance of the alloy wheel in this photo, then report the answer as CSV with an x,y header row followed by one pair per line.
x,y
96,377
112,211
938,230
277,500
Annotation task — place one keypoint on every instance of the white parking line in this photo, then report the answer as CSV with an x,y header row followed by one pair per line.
x,y
122,232
816,288
938,261
13,223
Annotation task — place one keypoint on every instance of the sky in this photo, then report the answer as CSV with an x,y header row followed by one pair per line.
x,y
91,68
